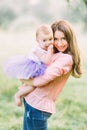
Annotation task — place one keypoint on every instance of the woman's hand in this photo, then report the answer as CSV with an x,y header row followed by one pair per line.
x,y
28,81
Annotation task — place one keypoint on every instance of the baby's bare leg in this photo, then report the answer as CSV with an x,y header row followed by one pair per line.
x,y
23,91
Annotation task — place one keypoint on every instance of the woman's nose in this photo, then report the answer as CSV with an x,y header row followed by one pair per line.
x,y
59,43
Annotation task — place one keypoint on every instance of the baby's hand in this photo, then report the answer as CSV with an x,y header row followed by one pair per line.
x,y
50,49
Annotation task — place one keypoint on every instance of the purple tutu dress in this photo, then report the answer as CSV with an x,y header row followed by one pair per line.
x,y
23,67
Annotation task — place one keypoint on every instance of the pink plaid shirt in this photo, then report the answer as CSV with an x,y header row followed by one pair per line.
x,y
51,83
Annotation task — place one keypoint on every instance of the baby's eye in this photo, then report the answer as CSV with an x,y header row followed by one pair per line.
x,y
51,39
44,40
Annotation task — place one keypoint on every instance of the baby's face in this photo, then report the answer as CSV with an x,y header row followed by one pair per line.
x,y
45,40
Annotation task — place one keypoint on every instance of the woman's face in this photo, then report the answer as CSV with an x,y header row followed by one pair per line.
x,y
60,41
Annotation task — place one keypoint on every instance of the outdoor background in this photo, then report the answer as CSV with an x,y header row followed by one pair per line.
x,y
19,20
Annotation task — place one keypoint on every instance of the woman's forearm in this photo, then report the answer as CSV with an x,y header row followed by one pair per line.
x,y
28,81
31,82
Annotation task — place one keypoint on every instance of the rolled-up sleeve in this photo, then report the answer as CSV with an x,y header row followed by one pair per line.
x,y
62,65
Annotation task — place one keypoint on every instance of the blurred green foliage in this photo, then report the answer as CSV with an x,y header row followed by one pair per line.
x,y
7,15
71,105
77,12
42,11
83,1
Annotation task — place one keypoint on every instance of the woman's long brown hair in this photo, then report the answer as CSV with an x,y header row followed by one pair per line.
x,y
73,49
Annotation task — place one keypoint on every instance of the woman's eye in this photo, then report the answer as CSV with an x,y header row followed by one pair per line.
x,y
55,38
63,38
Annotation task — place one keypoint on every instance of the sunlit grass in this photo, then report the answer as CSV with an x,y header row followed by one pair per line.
x,y
71,112
71,106
10,115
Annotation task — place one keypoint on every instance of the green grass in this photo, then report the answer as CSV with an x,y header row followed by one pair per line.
x,y
10,115
71,112
71,107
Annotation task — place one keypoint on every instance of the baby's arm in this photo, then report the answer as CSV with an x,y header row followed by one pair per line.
x,y
23,91
46,58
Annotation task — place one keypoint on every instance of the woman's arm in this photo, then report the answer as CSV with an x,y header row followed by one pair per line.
x,y
29,82
59,67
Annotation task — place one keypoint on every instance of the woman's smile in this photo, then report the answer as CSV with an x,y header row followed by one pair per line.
x,y
60,41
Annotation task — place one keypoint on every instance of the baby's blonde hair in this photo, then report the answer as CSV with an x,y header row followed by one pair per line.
x,y
43,28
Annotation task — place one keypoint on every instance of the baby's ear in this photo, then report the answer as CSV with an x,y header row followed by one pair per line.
x,y
36,40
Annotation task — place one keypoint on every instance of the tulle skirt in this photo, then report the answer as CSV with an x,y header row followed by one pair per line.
x,y
23,68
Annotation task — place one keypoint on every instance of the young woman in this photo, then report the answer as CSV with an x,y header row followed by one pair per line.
x,y
40,103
